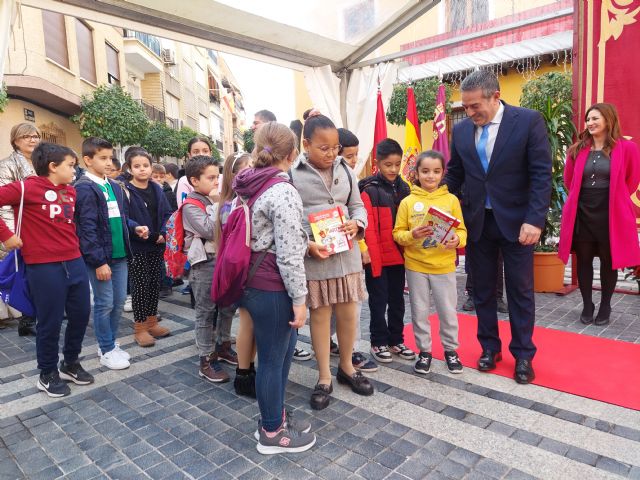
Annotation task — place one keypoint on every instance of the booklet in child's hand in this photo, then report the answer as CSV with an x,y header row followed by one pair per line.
x,y
325,226
444,226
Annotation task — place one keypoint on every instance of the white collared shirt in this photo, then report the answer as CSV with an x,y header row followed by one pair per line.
x,y
494,126
95,178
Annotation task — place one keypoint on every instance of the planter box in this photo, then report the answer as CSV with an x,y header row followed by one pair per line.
x,y
548,272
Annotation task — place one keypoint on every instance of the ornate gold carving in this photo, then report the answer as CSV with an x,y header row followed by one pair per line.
x,y
622,16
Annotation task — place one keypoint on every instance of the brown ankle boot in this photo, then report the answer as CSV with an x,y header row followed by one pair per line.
x,y
142,336
156,330
211,370
226,353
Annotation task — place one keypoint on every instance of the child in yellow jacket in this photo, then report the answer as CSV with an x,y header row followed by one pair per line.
x,y
430,266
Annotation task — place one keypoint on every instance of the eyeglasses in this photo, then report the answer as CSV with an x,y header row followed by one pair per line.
x,y
325,149
35,138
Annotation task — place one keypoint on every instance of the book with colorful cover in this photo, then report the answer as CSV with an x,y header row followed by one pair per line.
x,y
444,226
325,226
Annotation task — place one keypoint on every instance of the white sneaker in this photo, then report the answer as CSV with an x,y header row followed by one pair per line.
x,y
118,350
127,304
122,353
113,361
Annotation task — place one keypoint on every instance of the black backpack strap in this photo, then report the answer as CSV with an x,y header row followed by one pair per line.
x,y
348,172
254,267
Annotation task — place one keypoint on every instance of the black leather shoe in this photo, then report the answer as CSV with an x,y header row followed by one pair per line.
x,y
524,373
26,326
603,315
587,318
358,382
488,359
321,396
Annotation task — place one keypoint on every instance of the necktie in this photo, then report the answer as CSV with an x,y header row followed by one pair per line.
x,y
481,147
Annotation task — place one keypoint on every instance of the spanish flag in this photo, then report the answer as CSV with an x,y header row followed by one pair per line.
x,y
411,138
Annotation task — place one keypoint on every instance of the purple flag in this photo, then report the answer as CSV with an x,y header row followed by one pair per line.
x,y
440,138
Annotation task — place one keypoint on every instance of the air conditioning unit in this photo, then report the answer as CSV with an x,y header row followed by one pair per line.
x,y
168,56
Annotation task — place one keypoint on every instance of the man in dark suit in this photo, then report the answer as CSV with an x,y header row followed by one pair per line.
x,y
502,155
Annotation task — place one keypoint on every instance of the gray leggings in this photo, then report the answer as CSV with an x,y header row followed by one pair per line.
x,y
445,297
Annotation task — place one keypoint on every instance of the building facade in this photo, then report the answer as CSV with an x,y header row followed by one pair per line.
x,y
54,60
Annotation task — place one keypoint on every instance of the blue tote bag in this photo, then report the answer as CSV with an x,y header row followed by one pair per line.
x,y
14,290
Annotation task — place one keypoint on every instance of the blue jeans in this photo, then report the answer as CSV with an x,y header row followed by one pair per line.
x,y
108,300
271,313
55,288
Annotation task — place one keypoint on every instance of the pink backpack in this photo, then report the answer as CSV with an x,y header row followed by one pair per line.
x,y
232,270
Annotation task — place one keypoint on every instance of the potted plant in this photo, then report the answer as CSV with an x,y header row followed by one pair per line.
x,y
551,95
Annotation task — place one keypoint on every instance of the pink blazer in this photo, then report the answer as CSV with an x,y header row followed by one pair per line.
x,y
625,177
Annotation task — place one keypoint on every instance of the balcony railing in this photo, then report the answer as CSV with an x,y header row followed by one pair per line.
x,y
153,43
154,114
174,123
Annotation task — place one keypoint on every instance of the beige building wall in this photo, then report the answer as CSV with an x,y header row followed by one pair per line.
x,y
27,64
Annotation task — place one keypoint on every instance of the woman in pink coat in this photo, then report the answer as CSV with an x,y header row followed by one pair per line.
x,y
601,173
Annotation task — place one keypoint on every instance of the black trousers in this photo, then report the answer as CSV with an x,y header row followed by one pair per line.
x,y
386,301
518,270
500,278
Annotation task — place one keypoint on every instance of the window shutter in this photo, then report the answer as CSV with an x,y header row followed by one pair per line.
x,y
113,65
55,37
84,36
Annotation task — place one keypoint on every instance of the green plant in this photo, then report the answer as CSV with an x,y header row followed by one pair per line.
x,y
550,94
162,141
425,92
247,140
111,113
4,99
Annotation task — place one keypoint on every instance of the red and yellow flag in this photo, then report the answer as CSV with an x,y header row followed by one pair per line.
x,y
379,132
440,139
411,138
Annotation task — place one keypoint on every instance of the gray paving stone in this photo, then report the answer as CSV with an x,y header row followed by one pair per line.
x,y
333,472
626,432
439,446
465,457
526,437
368,448
634,473
414,470
452,469
454,412
256,473
222,456
613,466
501,428
475,475
148,460
515,474
417,438
163,470
352,461
582,455
492,468
125,472
104,456
476,420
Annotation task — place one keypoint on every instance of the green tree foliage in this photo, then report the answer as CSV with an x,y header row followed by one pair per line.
x,y
162,141
551,95
4,100
425,91
247,140
554,86
111,113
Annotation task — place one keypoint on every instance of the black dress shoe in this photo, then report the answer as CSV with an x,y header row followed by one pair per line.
x,y
524,373
488,359
358,382
587,318
603,315
321,396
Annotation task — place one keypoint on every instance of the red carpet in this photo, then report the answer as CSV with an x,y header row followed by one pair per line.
x,y
592,367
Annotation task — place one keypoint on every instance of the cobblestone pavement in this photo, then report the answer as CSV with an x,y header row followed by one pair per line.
x,y
158,419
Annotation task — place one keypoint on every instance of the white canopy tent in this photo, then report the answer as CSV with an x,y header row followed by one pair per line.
x,y
322,39
328,40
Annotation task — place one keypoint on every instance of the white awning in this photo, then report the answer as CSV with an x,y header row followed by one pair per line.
x,y
493,56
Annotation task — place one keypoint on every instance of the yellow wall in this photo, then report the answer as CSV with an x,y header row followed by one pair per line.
x,y
14,114
151,89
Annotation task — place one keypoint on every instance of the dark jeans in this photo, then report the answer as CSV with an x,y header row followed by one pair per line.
x,y
55,288
386,300
499,283
518,270
271,313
